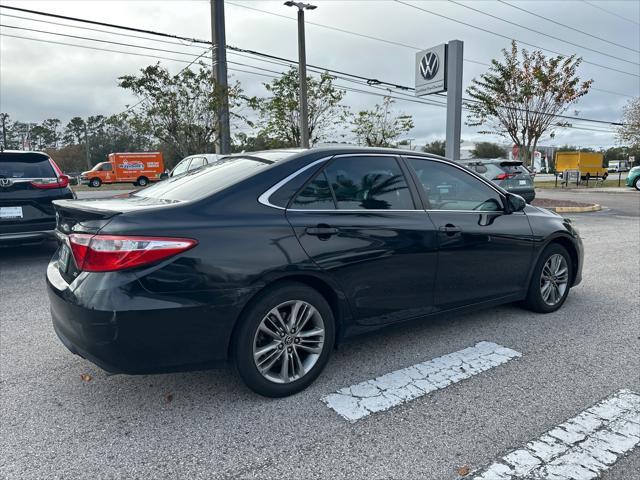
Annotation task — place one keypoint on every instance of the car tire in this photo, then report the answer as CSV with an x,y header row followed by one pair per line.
x,y
95,182
143,181
636,184
550,281
283,346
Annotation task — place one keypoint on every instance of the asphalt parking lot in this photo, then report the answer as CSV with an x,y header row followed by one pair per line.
x,y
54,424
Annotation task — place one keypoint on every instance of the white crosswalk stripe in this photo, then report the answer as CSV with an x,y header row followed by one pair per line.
x,y
581,448
400,386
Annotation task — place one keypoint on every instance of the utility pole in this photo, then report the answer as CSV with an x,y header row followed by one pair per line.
x,y
219,57
86,146
302,71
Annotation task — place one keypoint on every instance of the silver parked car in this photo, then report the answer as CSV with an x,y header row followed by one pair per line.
x,y
193,162
511,175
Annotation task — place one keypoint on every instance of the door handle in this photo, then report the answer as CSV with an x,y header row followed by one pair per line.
x,y
450,229
321,231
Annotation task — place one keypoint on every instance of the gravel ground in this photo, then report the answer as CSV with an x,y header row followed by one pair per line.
x,y
207,425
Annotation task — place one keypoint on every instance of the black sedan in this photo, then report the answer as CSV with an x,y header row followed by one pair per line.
x,y
269,259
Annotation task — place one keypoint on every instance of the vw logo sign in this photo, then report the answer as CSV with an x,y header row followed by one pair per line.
x,y
429,65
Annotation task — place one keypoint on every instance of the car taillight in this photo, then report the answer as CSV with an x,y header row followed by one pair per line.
x,y
504,176
108,253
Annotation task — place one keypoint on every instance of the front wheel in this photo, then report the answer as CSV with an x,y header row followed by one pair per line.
x,y
636,184
95,182
284,340
551,280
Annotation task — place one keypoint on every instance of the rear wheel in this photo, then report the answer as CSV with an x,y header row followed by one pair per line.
x,y
284,340
143,181
95,182
551,279
636,184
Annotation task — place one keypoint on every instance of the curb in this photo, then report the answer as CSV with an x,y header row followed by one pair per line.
x,y
590,208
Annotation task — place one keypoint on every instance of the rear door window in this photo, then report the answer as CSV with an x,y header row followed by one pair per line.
x,y
369,183
316,195
25,165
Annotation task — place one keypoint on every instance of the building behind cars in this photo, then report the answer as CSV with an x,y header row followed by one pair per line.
x,y
29,182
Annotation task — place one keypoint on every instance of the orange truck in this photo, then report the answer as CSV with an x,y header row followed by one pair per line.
x,y
137,168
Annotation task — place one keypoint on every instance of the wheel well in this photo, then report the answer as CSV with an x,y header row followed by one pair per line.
x,y
568,245
142,176
313,282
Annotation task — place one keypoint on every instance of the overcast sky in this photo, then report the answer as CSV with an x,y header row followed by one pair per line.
x,y
42,80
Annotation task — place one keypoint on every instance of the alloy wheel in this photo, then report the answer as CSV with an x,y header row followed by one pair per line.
x,y
554,279
288,341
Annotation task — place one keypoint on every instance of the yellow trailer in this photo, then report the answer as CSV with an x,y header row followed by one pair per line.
x,y
589,164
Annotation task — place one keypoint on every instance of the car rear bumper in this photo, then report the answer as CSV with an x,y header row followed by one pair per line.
x,y
26,237
126,329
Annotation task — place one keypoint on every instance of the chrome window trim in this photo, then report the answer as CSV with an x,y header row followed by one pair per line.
x,y
264,198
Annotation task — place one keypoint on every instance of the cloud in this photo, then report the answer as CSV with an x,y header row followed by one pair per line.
x,y
40,80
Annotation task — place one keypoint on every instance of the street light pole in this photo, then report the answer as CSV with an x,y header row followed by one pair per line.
x,y
302,71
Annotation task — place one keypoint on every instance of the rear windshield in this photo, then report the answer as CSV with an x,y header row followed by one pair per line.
x,y
206,181
512,167
25,165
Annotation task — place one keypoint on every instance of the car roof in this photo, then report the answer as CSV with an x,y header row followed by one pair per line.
x,y
24,152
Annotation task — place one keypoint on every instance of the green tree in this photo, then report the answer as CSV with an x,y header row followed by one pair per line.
x,y
380,127
520,97
180,110
247,143
279,113
74,132
436,147
488,150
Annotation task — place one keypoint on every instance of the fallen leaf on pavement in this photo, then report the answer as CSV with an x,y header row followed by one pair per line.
x,y
168,398
85,377
463,471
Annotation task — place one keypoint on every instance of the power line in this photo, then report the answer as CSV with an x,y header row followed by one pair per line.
x,y
194,40
280,60
508,38
97,30
610,12
567,26
96,40
542,33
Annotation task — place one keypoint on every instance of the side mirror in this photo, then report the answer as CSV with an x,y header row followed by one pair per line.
x,y
515,203
164,176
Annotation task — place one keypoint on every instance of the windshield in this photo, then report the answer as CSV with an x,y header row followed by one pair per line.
x,y
97,167
205,181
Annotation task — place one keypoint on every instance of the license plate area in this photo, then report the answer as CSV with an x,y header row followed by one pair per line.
x,y
11,213
63,258
522,182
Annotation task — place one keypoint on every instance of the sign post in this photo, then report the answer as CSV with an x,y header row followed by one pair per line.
x,y
439,69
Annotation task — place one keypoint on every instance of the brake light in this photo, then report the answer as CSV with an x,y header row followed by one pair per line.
x,y
504,176
60,181
108,253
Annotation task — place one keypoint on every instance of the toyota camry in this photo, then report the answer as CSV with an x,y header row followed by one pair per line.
x,y
270,259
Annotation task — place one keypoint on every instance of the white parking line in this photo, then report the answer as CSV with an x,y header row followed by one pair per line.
x,y
400,386
580,449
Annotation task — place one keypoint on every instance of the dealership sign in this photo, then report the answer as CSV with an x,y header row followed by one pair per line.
x,y
431,71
